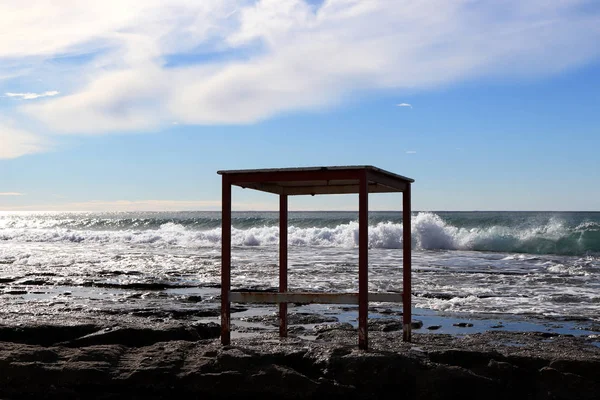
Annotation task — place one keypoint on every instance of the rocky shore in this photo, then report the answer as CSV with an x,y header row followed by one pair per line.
x,y
163,360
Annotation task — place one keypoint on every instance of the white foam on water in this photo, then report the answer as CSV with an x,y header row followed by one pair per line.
x,y
322,258
429,232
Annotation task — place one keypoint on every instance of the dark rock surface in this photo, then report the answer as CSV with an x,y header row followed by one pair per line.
x,y
150,363
463,324
293,319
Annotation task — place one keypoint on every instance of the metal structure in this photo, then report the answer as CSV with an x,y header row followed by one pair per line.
x,y
312,181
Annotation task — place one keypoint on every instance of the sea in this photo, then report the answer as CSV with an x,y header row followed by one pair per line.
x,y
541,267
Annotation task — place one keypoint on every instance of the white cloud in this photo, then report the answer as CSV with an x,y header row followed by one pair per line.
x,y
10,194
116,101
31,96
66,27
16,142
404,105
411,152
285,56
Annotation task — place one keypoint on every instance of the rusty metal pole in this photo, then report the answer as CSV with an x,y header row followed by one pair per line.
x,y
225,260
406,264
283,261
363,262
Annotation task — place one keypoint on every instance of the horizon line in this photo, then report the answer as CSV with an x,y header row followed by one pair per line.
x,y
277,211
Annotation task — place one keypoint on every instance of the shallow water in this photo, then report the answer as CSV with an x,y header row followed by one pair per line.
x,y
464,264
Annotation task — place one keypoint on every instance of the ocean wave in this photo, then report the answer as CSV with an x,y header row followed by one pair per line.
x,y
429,232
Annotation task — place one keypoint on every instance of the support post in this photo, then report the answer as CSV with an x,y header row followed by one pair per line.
x,y
283,261
225,260
363,262
406,264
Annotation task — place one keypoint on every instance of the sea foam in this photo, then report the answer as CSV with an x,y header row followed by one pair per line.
x,y
429,232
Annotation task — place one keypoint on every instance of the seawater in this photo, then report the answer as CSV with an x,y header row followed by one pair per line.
x,y
519,263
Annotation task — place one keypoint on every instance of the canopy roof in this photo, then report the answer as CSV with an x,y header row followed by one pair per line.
x,y
317,180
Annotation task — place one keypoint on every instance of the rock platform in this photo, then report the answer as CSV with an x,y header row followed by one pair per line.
x,y
188,361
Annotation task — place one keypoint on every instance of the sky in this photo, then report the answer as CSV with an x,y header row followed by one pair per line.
x,y
135,104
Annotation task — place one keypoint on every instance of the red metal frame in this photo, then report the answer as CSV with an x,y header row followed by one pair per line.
x,y
283,261
363,176
406,267
225,261
363,262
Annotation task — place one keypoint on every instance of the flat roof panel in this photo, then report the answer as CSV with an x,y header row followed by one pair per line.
x,y
317,180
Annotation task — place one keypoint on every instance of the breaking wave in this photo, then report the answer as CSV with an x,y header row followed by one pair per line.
x,y
429,232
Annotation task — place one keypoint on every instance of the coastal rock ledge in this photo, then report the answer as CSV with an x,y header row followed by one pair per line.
x,y
491,365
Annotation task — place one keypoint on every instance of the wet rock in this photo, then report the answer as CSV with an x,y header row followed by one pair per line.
x,y
434,327
575,318
416,324
504,369
137,285
39,273
440,296
385,325
463,324
293,319
254,289
34,282
388,311
44,335
385,311
263,319
307,318
337,326
297,329
268,367
374,372
15,292
192,299
564,385
465,358
248,329
139,337
176,313
594,328
443,382
579,367
546,334
237,309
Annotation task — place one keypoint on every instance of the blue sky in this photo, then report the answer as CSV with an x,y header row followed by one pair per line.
x,y
135,105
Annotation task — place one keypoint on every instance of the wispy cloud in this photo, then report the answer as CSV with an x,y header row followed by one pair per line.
x,y
15,142
132,80
11,194
411,152
31,96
